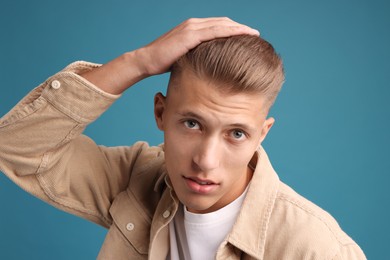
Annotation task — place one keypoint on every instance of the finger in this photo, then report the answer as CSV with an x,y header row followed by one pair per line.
x,y
207,19
196,23
213,32
224,25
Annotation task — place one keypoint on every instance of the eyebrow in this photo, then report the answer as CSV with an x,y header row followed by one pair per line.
x,y
191,114
200,118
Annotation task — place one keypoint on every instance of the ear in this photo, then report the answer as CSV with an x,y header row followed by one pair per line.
x,y
268,123
159,109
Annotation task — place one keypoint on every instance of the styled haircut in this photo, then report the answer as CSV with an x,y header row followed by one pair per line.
x,y
237,64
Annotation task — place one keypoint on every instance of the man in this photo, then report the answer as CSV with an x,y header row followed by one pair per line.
x,y
209,191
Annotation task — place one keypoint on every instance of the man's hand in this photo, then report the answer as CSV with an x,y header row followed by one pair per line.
x,y
158,56
163,52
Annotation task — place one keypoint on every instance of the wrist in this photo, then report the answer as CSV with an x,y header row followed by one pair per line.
x,y
128,69
141,61
119,74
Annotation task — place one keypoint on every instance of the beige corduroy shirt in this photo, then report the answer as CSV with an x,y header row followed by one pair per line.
x,y
126,189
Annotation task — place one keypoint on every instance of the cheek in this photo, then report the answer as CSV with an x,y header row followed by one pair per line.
x,y
240,157
177,149
235,164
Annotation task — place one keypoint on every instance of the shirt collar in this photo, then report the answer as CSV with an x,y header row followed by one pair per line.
x,y
249,232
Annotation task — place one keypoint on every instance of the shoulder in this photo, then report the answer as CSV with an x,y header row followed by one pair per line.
x,y
148,167
303,229
148,156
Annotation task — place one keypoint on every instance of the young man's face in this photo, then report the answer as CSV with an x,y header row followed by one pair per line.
x,y
210,137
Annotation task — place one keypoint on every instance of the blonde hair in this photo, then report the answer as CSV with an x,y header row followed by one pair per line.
x,y
236,64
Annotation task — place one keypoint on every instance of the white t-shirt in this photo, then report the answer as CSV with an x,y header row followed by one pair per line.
x,y
198,236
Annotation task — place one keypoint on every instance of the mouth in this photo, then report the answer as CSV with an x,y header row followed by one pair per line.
x,y
201,186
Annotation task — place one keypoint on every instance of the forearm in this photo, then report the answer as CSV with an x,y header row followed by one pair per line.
x,y
49,117
41,149
119,74
157,57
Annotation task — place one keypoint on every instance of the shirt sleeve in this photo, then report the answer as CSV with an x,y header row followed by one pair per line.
x,y
350,252
42,148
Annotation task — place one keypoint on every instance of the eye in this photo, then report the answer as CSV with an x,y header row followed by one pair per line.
x,y
238,134
191,124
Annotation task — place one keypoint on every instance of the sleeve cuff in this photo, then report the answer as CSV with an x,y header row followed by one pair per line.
x,y
75,96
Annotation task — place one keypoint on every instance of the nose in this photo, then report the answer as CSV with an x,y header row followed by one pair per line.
x,y
207,156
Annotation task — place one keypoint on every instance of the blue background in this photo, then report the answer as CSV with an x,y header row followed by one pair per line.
x,y
331,137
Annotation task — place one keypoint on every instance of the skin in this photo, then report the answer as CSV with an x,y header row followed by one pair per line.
x,y
209,137
209,154
157,57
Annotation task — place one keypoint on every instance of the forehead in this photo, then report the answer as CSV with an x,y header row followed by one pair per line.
x,y
190,94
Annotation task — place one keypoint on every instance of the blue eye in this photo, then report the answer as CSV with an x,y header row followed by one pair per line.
x,y
191,124
238,134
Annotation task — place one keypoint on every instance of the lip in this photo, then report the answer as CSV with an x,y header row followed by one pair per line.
x,y
201,186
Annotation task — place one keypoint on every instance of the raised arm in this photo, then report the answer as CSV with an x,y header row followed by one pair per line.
x,y
42,148
157,57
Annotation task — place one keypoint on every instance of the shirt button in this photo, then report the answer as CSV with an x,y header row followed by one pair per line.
x,y
55,84
130,226
166,214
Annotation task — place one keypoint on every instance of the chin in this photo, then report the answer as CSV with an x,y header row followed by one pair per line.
x,y
197,208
